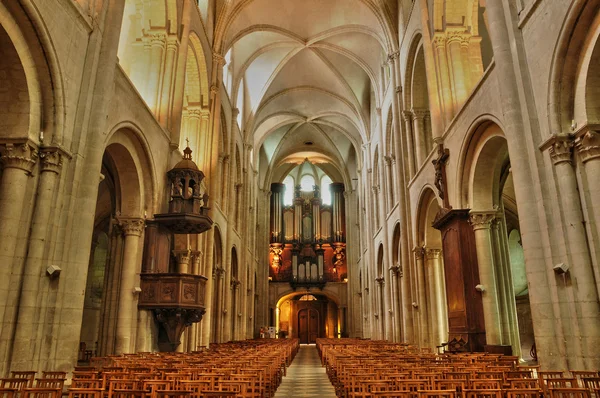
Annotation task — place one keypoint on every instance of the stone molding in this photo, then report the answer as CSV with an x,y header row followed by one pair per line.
x,y
481,219
419,252
18,156
132,226
219,59
419,113
52,160
407,116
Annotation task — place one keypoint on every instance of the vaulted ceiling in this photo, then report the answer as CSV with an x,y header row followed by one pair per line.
x,y
306,76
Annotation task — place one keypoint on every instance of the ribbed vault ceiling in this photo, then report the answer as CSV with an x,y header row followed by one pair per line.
x,y
311,71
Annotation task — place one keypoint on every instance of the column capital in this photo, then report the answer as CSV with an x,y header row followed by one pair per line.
x,y
398,89
407,116
419,252
235,112
18,156
380,280
560,147
433,254
419,113
396,269
132,226
392,56
481,219
172,42
587,144
52,160
157,39
439,39
214,89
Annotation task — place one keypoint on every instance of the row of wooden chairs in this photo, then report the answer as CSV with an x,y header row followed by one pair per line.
x,y
252,369
365,368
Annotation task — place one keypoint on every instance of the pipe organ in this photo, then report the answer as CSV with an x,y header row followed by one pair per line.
x,y
308,238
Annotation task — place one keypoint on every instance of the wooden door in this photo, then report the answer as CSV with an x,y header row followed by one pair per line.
x,y
308,325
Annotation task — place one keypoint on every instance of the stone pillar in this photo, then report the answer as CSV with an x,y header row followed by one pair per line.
x,y
30,303
183,258
168,77
18,161
437,296
388,310
588,150
407,116
585,307
420,135
157,48
422,304
447,96
132,229
458,66
394,275
481,222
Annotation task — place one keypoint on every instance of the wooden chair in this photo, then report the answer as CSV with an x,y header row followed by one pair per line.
x,y
50,383
524,384
437,394
485,393
523,393
8,392
591,383
581,374
25,374
569,393
562,382
487,384
16,383
86,383
75,392
174,393
54,375
41,393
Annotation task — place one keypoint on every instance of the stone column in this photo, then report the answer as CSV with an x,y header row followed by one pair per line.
x,y
394,275
132,228
588,150
18,161
458,65
31,304
157,49
422,304
481,222
447,96
586,306
168,77
407,116
437,296
420,135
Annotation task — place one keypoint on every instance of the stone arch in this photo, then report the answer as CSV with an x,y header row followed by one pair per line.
x,y
125,195
490,196
33,98
431,276
569,78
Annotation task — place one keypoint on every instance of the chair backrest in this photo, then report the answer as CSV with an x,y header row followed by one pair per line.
x,y
50,383
25,374
484,393
36,392
487,384
85,392
569,393
523,393
16,383
8,392
54,375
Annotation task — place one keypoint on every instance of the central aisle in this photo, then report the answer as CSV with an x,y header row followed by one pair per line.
x,y
306,377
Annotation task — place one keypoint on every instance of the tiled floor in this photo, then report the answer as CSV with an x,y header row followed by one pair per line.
x,y
306,377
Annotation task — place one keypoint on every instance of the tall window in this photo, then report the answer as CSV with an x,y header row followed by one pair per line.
x,y
325,189
288,197
307,183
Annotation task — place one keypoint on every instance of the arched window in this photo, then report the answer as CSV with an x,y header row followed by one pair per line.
x,y
227,81
325,189
288,197
307,183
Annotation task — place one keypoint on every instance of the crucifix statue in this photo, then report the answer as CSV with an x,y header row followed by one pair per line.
x,y
440,173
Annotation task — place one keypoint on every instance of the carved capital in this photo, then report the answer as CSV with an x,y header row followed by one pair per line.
x,y
18,156
407,116
588,145
380,280
392,56
157,39
214,89
419,252
172,43
52,160
481,219
235,112
396,269
439,40
561,149
433,254
132,226
420,114
398,89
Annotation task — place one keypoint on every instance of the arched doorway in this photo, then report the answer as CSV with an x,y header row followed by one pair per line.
x,y
308,316
235,292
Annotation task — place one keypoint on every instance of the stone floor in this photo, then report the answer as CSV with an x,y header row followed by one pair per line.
x,y
306,377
